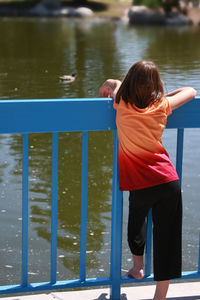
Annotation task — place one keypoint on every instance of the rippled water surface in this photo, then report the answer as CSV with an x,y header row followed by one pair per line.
x,y
33,54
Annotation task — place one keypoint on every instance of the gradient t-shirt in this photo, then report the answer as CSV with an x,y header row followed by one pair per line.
x,y
143,161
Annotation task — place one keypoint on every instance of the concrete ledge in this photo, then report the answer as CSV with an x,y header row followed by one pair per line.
x,y
177,291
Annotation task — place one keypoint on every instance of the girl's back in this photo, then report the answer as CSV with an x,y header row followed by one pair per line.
x,y
143,161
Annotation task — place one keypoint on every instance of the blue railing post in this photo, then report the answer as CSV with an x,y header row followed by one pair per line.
x,y
116,229
199,256
25,213
54,206
179,152
84,191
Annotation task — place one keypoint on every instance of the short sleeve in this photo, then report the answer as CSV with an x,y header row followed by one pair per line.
x,y
115,105
168,107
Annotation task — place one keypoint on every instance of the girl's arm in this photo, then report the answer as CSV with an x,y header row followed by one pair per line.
x,y
180,96
109,88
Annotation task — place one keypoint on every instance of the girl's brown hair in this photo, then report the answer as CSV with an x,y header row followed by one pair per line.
x,y
142,85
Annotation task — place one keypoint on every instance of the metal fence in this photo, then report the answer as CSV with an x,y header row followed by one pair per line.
x,y
71,115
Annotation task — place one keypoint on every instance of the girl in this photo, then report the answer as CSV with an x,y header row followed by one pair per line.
x,y
145,168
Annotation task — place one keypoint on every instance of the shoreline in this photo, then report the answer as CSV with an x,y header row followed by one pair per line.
x,y
101,9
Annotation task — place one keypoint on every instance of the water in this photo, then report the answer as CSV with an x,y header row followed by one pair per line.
x,y
33,54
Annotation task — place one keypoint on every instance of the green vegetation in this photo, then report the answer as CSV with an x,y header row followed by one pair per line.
x,y
148,3
167,5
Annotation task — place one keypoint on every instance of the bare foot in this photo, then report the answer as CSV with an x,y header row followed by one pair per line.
x,y
135,273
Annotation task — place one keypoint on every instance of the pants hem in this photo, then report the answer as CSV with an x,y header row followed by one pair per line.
x,y
137,253
169,277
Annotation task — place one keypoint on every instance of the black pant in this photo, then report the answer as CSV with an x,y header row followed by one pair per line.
x,y
166,203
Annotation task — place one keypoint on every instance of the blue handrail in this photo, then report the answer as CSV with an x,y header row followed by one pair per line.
x,y
92,114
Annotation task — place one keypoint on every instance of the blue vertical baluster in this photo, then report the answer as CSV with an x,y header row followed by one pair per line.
x,y
84,191
54,206
179,152
199,256
116,230
148,248
25,210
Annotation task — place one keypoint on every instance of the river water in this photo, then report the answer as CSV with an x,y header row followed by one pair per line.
x,y
34,52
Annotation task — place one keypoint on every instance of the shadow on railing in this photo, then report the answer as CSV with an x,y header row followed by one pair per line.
x,y
97,114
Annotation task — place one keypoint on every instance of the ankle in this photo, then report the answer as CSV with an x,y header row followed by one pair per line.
x,y
161,290
138,262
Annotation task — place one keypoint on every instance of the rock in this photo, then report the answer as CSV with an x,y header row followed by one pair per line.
x,y
68,11
41,10
177,19
51,4
80,12
84,12
45,8
145,15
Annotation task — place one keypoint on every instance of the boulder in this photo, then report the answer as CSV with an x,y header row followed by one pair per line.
x,y
51,4
177,19
80,12
145,15
84,12
41,10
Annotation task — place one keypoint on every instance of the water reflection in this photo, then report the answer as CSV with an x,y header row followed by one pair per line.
x,y
175,46
3,164
177,54
69,195
174,49
34,53
54,48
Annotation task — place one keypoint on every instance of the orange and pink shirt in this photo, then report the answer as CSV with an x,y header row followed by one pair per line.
x,y
143,161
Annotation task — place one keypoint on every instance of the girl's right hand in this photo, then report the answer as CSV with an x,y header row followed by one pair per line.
x,y
109,88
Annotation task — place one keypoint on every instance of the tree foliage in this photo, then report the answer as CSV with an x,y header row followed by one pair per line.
x,y
167,5
148,3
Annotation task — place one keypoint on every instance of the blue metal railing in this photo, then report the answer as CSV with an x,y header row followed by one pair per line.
x,y
58,115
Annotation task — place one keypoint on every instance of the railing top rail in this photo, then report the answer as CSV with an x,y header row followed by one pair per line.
x,y
56,115
79,114
87,114
56,100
